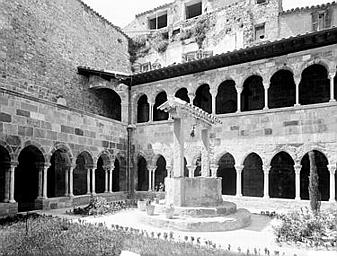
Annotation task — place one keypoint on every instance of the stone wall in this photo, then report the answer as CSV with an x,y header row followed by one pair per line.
x,y
43,42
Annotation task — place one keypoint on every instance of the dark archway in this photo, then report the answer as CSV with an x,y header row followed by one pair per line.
x,y
143,174
159,115
227,172
252,96
203,98
116,176
183,95
315,85
226,99
252,176
143,109
186,171
323,174
31,161
110,103
282,176
197,170
282,90
5,162
160,172
56,178
84,163
100,176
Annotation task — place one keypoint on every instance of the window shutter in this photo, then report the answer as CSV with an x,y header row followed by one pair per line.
x,y
314,16
328,16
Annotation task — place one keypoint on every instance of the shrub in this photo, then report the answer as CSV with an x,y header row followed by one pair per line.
x,y
309,228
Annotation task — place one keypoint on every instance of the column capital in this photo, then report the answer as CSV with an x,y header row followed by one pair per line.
x,y
297,168
266,169
266,85
238,89
332,169
239,168
213,91
14,164
297,79
332,74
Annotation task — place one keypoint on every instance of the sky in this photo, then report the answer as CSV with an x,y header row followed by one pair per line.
x,y
122,12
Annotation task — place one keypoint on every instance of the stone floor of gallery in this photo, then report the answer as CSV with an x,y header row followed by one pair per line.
x,y
258,235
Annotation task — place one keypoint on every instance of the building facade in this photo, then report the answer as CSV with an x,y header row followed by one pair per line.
x,y
79,98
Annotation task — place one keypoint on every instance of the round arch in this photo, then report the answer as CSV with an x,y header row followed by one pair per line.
x,y
5,162
159,115
182,94
84,162
227,172
101,172
142,174
252,96
203,98
252,176
226,98
143,109
110,103
282,176
160,173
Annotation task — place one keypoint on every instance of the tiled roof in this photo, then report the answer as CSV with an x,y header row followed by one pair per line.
x,y
155,9
308,8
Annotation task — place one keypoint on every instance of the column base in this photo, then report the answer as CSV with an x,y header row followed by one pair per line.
x,y
265,108
93,194
11,201
297,199
71,195
238,195
332,101
297,105
332,200
266,197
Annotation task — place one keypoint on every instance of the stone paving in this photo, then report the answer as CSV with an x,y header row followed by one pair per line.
x,y
258,235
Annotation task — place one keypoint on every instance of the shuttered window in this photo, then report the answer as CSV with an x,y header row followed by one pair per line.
x,y
321,19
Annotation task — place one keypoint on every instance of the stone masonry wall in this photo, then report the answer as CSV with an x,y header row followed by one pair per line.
x,y
43,42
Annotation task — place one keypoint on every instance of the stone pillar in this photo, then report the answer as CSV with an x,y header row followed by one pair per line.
x,y
266,170
178,148
153,178
213,93
93,181
71,181
12,182
297,168
40,167
266,99
151,104
191,169
106,169
332,86
332,170
238,91
205,161
66,193
191,96
214,170
110,178
124,110
45,181
297,81
169,171
150,179
88,181
239,169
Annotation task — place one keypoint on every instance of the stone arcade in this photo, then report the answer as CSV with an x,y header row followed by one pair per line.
x,y
79,100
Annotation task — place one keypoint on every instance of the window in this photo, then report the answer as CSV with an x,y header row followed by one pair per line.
x,y
259,32
193,9
261,1
158,21
321,20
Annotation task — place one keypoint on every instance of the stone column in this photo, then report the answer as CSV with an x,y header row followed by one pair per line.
x,y
124,110
151,104
12,181
169,171
205,161
297,168
40,167
332,86
110,178
93,181
238,91
332,170
239,169
266,170
71,181
297,81
150,179
88,181
106,170
214,170
153,178
66,193
191,169
266,99
213,93
45,181
178,148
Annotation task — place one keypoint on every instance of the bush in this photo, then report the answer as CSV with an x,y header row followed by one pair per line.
x,y
308,228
